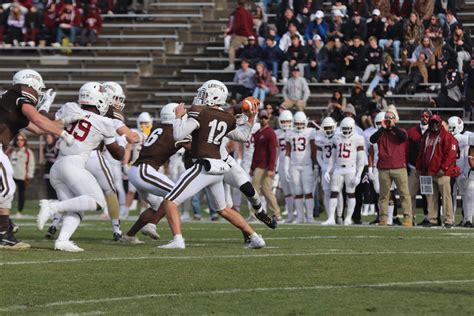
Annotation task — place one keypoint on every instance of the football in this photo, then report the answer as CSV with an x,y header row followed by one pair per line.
x,y
248,103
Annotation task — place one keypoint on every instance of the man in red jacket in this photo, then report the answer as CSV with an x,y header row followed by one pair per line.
x,y
69,23
437,158
92,26
264,162
241,28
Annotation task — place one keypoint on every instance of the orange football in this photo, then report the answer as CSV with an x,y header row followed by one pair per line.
x,y
250,102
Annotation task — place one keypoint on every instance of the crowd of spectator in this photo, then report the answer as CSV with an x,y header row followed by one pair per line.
x,y
399,43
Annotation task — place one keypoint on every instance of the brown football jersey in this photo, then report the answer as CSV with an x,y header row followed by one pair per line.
x,y
114,113
214,125
158,147
12,119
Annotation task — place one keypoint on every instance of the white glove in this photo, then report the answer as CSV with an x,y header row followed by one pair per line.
x,y
371,174
327,177
121,141
48,99
356,180
72,118
67,138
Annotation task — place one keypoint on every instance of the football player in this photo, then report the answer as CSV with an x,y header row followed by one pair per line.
x,y
18,111
348,160
470,182
299,165
207,125
77,189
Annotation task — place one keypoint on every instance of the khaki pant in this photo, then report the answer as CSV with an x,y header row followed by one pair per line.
x,y
400,177
440,185
413,187
300,104
263,185
235,43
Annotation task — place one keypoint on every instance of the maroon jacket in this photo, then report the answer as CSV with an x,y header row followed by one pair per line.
x,y
72,17
444,155
50,19
93,21
392,147
243,23
265,154
414,137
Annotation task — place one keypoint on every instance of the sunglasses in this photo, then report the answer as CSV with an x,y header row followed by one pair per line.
x,y
425,115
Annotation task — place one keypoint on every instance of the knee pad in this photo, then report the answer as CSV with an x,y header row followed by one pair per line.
x,y
247,189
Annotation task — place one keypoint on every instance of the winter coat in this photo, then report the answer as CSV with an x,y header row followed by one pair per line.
x,y
266,80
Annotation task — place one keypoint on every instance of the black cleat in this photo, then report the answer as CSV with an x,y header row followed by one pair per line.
x,y
51,232
461,224
467,224
246,238
423,222
428,224
396,222
375,221
8,241
13,227
267,220
117,237
448,226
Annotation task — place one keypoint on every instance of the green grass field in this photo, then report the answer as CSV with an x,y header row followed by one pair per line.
x,y
306,269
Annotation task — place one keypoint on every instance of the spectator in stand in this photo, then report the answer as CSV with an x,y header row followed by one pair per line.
x,y
264,84
295,91
272,56
336,25
336,106
391,142
416,74
106,6
355,27
264,163
92,26
469,92
260,25
317,27
402,11
413,31
304,9
437,158
452,23
50,152
272,119
252,52
452,87
424,9
462,46
339,6
242,28
317,58
286,41
436,32
393,37
69,24
23,162
376,27
284,22
243,80
34,20
359,100
335,61
387,72
426,48
15,25
353,60
295,57
359,6
414,137
383,6
373,58
50,25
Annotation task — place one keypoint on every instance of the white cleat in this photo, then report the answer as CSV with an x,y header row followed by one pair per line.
x,y
150,230
66,245
174,244
44,214
256,242
328,223
347,222
131,240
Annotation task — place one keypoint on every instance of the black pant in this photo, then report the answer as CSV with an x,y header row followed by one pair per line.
x,y
50,190
362,194
20,188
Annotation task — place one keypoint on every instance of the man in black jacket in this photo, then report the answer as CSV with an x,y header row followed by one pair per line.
x,y
354,27
317,57
354,59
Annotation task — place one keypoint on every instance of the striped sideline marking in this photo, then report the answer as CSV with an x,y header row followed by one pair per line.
x,y
266,255
234,291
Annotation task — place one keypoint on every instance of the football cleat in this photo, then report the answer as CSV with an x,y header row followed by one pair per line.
x,y
246,238
51,232
44,214
347,221
467,224
8,241
448,226
174,244
66,245
131,240
117,237
267,220
13,227
150,231
339,220
256,242
329,222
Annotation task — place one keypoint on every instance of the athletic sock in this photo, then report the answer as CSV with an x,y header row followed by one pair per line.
x,y
177,237
351,202
56,219
390,209
81,203
142,220
332,209
327,198
263,201
340,205
309,203
299,205
290,206
71,221
4,223
366,209
116,226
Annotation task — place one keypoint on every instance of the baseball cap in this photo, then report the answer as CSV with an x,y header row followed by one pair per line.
x,y
319,14
356,13
337,13
436,117
263,113
295,68
316,37
251,37
350,109
376,12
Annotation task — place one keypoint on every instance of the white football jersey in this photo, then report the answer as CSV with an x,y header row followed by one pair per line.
x,y
136,147
325,143
346,149
300,148
367,134
88,132
463,151
281,139
249,146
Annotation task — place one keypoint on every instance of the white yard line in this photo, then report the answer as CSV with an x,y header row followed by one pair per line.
x,y
233,291
262,255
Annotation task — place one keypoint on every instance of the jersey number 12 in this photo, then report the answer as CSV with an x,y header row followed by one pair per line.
x,y
217,132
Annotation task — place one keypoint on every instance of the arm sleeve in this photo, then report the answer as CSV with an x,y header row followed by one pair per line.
x,y
109,135
375,137
241,133
306,91
30,171
182,128
272,151
401,134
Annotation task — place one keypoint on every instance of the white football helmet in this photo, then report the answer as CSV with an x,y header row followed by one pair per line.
x,y
116,95
167,114
378,119
212,92
300,121
286,120
455,125
94,94
329,126
30,78
145,122
347,127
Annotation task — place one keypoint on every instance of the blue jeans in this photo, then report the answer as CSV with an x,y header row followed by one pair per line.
x,y
273,66
392,82
196,205
395,45
72,34
260,93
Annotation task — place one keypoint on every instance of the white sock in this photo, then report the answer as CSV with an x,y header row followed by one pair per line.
x,y
371,209
71,221
178,237
351,203
290,206
81,203
116,226
299,205
366,209
56,219
332,209
390,210
327,198
309,203
340,205
263,201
